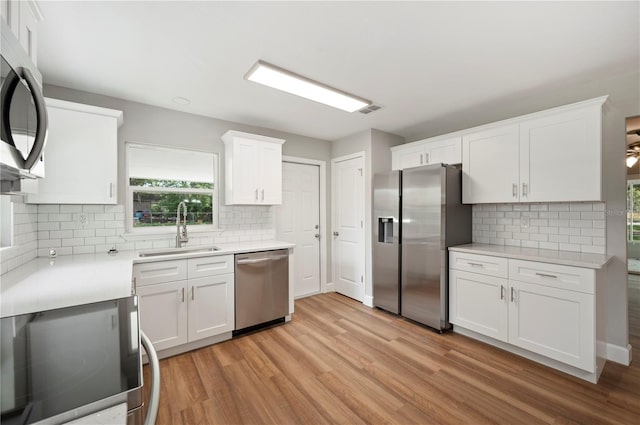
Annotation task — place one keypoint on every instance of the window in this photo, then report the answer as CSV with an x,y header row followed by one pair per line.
x,y
159,178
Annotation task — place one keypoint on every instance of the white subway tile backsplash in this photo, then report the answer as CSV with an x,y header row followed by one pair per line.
x,y
85,249
48,209
93,208
559,207
70,208
539,207
581,206
549,245
593,249
578,226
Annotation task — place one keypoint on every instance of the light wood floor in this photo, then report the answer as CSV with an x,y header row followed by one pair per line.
x,y
338,361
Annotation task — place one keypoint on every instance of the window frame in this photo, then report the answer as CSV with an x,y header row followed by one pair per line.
x,y
170,230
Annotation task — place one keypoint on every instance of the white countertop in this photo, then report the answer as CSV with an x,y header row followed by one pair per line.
x,y
567,258
48,283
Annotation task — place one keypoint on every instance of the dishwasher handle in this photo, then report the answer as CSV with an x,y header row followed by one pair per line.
x,y
261,260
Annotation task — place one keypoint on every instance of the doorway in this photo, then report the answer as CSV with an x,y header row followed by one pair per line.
x,y
301,219
347,175
633,228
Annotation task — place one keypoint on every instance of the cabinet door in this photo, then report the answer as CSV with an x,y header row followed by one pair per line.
x,y
163,313
245,168
270,176
560,157
211,306
554,322
478,302
81,161
448,151
490,166
411,156
28,31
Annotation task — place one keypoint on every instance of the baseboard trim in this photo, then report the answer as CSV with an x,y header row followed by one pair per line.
x,y
619,354
368,300
329,287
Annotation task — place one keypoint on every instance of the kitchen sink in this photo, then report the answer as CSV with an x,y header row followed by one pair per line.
x,y
174,251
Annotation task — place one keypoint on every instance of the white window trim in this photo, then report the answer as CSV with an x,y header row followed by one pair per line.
x,y
163,232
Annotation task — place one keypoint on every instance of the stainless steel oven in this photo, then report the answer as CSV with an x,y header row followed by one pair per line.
x,y
62,364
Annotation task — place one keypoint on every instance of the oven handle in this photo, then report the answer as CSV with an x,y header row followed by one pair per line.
x,y
154,397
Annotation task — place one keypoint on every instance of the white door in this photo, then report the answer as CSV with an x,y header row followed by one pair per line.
x,y
163,313
348,226
298,222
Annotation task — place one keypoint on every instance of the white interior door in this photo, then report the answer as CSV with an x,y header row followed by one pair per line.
x,y
348,226
298,222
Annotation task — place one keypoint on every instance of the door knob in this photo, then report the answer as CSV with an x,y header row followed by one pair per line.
x,y
317,236
336,234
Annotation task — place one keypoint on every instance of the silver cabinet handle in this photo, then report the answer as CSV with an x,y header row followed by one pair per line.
x,y
420,159
263,194
513,295
317,236
525,189
193,293
256,194
515,190
475,264
552,276
133,286
110,190
426,158
182,294
502,292
336,234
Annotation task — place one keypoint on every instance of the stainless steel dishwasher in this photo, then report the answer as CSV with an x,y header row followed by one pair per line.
x,y
262,287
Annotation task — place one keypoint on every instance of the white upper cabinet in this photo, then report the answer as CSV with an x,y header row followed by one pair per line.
x,y
425,152
490,164
550,156
80,155
253,169
23,17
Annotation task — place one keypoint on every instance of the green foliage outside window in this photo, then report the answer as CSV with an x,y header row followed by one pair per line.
x,y
158,208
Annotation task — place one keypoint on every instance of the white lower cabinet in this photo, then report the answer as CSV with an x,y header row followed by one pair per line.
x,y
552,314
182,301
163,313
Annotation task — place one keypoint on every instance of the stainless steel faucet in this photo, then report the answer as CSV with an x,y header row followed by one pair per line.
x,y
181,236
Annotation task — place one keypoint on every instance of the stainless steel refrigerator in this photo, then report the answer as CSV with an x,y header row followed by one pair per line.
x,y
417,215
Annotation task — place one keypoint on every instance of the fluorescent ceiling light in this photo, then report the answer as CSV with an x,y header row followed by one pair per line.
x,y
287,81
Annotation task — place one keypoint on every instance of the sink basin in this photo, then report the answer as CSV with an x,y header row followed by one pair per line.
x,y
174,251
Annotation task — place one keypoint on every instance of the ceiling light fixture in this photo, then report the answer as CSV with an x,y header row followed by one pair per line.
x,y
181,100
281,79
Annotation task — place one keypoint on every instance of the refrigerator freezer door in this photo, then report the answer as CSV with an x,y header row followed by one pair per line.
x,y
385,240
423,290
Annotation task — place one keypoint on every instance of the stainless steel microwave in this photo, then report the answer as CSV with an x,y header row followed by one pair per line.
x,y
23,120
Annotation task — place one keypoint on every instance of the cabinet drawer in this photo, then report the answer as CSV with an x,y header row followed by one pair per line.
x,y
554,275
482,264
159,272
210,266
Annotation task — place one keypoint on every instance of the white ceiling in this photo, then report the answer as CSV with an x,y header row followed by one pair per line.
x,y
418,60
